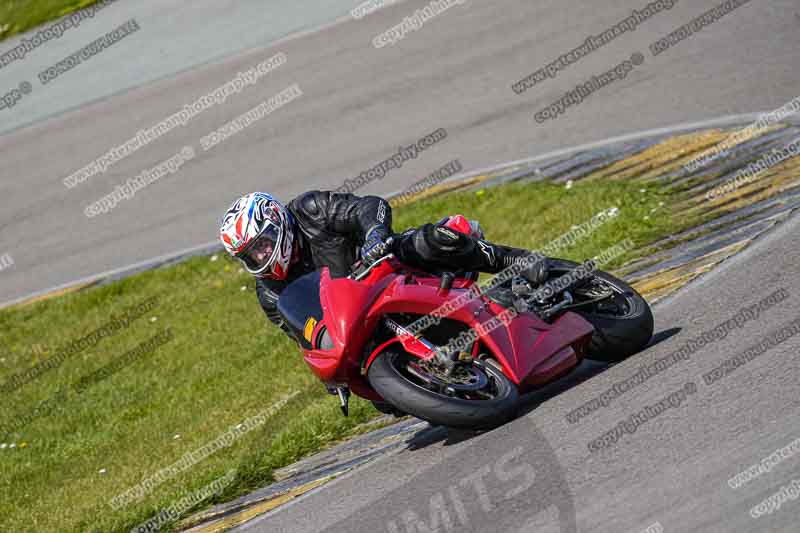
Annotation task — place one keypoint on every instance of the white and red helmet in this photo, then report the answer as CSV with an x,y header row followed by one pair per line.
x,y
259,231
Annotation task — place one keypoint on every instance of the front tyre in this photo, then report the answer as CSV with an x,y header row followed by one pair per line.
x,y
480,397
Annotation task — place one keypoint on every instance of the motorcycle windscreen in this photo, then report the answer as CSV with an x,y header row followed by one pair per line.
x,y
300,307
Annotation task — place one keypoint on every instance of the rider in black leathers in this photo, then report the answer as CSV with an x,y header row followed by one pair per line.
x,y
333,229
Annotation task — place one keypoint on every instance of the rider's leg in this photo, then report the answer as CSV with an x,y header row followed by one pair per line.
x,y
442,248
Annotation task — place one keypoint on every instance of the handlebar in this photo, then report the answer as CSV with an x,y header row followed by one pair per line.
x,y
360,268
383,248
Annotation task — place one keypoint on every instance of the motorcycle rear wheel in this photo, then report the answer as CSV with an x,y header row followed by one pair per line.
x,y
618,334
389,375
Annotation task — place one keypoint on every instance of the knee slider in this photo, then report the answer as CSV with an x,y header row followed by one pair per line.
x,y
441,239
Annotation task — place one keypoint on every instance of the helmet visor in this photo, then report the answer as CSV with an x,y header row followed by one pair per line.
x,y
262,253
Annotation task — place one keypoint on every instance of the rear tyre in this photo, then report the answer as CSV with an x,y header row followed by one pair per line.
x,y
390,376
623,323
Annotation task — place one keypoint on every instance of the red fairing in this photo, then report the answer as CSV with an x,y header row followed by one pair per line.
x,y
538,352
531,352
345,304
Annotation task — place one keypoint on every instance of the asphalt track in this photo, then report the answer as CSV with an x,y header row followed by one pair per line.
x,y
359,104
538,473
174,36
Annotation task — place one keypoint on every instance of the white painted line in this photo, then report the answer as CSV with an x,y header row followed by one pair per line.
x,y
110,273
687,126
715,122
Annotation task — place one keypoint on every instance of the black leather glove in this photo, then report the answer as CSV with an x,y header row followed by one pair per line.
x,y
373,244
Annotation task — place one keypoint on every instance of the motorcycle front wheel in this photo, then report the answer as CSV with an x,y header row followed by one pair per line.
x,y
477,396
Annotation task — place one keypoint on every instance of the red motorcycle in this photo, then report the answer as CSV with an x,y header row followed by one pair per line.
x,y
438,347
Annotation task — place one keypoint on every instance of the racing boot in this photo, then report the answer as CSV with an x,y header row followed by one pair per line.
x,y
534,266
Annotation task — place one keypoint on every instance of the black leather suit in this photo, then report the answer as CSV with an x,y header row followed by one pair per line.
x,y
331,228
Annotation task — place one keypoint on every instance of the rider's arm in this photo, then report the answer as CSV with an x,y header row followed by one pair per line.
x,y
363,214
268,292
346,213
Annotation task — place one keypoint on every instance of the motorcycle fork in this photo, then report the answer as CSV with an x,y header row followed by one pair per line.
x,y
419,346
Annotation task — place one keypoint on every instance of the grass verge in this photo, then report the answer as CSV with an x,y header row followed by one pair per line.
x,y
222,364
18,17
